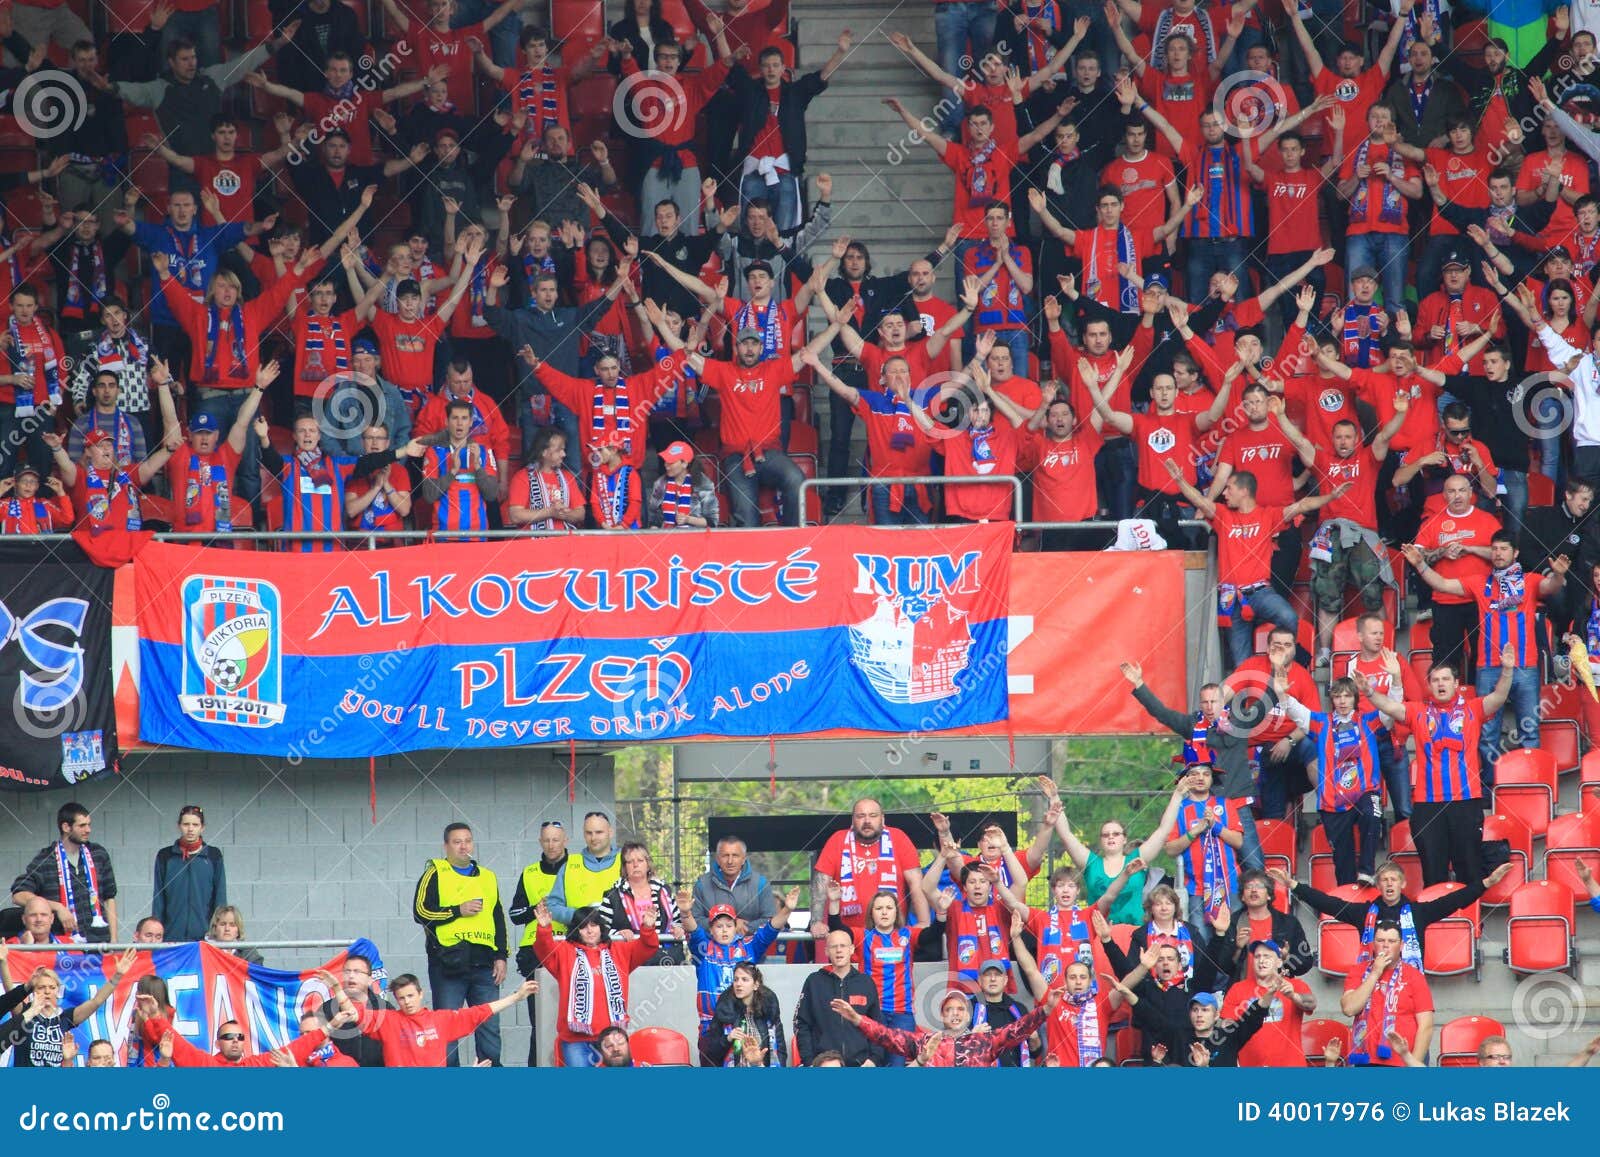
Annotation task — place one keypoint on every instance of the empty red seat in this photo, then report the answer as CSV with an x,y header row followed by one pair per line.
x,y
1572,838
1541,490
591,97
1129,1044
659,1047
1539,930
1338,946
1525,786
1459,1039
1560,737
1278,844
1314,1038
1451,948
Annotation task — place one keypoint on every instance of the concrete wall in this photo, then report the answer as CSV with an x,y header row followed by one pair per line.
x,y
304,859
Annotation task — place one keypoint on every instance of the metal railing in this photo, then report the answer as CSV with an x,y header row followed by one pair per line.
x,y
228,945
1012,480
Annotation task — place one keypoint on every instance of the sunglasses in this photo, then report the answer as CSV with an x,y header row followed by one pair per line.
x,y
1449,433
230,1036
550,824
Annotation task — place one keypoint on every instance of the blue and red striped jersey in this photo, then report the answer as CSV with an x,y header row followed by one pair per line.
x,y
1447,749
313,498
1347,758
1508,621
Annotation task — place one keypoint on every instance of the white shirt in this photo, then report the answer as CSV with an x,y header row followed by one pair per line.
x,y
1585,386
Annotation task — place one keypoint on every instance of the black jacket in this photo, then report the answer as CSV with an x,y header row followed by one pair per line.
x,y
1162,1014
792,101
188,891
366,1051
1223,1042
1445,102
1499,416
817,1028
661,31
318,37
1548,531
1286,931
767,1023
1423,912
888,294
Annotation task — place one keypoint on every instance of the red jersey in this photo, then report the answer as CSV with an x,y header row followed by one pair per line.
x,y
1377,205
234,182
1410,997
1245,543
974,936
894,449
380,515
997,99
1144,194
614,497
1276,1044
541,93
1360,504
1421,427
421,1041
407,349
1464,180
750,407
202,488
1101,251
864,869
1447,767
1409,691
1063,474
1158,438
1255,673
934,312
1574,178
39,515
351,113
1064,358
975,453
982,176
1066,1028
1181,99
1065,937
1268,455
1509,619
1001,303
43,348
1292,209
1474,528
1317,405
449,48
603,411
1357,94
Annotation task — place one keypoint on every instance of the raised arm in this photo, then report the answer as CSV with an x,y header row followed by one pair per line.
x,y
928,137
1076,851
1206,508
924,63
1445,586
1116,419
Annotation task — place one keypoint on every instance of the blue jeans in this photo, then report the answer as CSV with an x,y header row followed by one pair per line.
x,y
476,987
1522,709
1208,255
1516,496
1250,854
578,1055
1396,775
1387,253
783,198
1269,607
954,26
203,29
910,514
1115,472
905,1022
502,37
224,406
776,470
1272,787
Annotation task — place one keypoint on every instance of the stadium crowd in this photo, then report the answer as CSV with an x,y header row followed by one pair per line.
x,y
1332,298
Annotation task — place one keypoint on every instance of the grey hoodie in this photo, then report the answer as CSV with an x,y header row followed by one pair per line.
x,y
750,895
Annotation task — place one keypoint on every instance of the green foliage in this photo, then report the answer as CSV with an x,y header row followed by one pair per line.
x,y
1128,779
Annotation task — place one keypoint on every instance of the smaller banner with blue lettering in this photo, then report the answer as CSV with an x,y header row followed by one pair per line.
x,y
206,986
652,636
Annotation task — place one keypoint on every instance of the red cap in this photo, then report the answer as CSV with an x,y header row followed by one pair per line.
x,y
721,910
615,438
94,438
678,452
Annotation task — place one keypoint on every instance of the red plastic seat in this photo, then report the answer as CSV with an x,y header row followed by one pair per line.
x,y
1525,786
1498,826
1338,946
1541,490
658,1047
1459,1040
1560,737
1539,930
1129,1043
1315,1035
575,25
1346,638
1452,945
1278,844
1572,838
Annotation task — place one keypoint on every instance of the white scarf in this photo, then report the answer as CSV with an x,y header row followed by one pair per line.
x,y
580,994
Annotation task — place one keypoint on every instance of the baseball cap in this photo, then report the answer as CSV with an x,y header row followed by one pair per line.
x,y
749,333
678,452
1455,258
1209,999
1364,271
1559,251
27,468
993,965
202,422
953,994
1271,945
364,345
94,438
721,910
758,267
408,288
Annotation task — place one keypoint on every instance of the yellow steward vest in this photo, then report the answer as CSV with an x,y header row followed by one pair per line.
x,y
586,888
456,889
536,886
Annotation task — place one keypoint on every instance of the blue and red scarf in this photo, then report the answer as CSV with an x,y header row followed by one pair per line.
x,y
239,370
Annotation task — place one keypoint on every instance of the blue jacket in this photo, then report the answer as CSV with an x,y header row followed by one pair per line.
x,y
188,891
195,253
714,963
